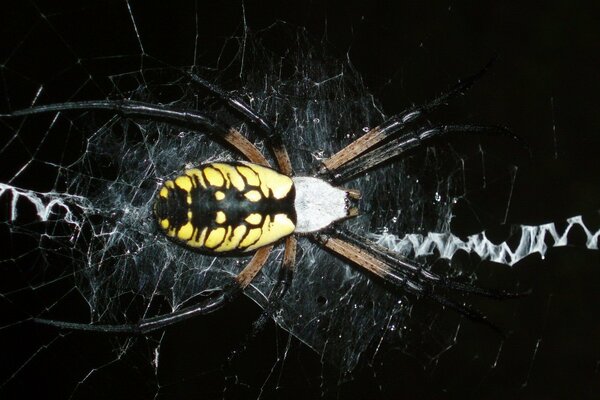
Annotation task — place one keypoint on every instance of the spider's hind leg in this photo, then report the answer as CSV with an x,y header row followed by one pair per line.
x,y
271,135
284,280
208,305
191,119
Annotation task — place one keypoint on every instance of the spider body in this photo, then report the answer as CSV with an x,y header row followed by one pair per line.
x,y
240,207
237,207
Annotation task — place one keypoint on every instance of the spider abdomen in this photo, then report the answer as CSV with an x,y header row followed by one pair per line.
x,y
227,207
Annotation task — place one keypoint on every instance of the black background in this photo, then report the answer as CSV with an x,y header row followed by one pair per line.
x,y
544,86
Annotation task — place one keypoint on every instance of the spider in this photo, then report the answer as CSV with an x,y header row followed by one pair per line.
x,y
247,206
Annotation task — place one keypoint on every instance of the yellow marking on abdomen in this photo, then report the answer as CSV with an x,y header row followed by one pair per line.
x,y
253,195
254,218
250,175
215,237
213,176
200,242
231,175
184,182
233,240
279,184
186,232
252,237
196,174
280,227
220,217
164,192
219,195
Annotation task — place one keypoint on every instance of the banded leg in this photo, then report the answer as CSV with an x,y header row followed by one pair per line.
x,y
393,125
206,306
264,128
280,288
275,143
284,280
401,273
191,119
402,266
408,141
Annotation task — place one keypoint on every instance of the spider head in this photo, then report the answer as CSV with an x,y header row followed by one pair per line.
x,y
319,204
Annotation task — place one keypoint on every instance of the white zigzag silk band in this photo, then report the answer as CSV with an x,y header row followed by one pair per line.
x,y
533,239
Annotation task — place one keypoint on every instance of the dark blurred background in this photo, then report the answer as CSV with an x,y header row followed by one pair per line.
x,y
544,86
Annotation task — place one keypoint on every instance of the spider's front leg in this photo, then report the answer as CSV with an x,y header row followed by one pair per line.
x,y
400,133
404,274
408,141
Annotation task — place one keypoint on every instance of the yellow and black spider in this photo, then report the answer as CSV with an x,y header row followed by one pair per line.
x,y
235,208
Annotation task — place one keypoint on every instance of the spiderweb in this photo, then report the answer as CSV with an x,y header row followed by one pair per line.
x,y
77,188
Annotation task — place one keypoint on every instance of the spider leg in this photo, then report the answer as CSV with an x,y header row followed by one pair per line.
x,y
284,281
274,140
400,265
410,140
264,128
235,103
402,273
396,123
191,119
206,306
